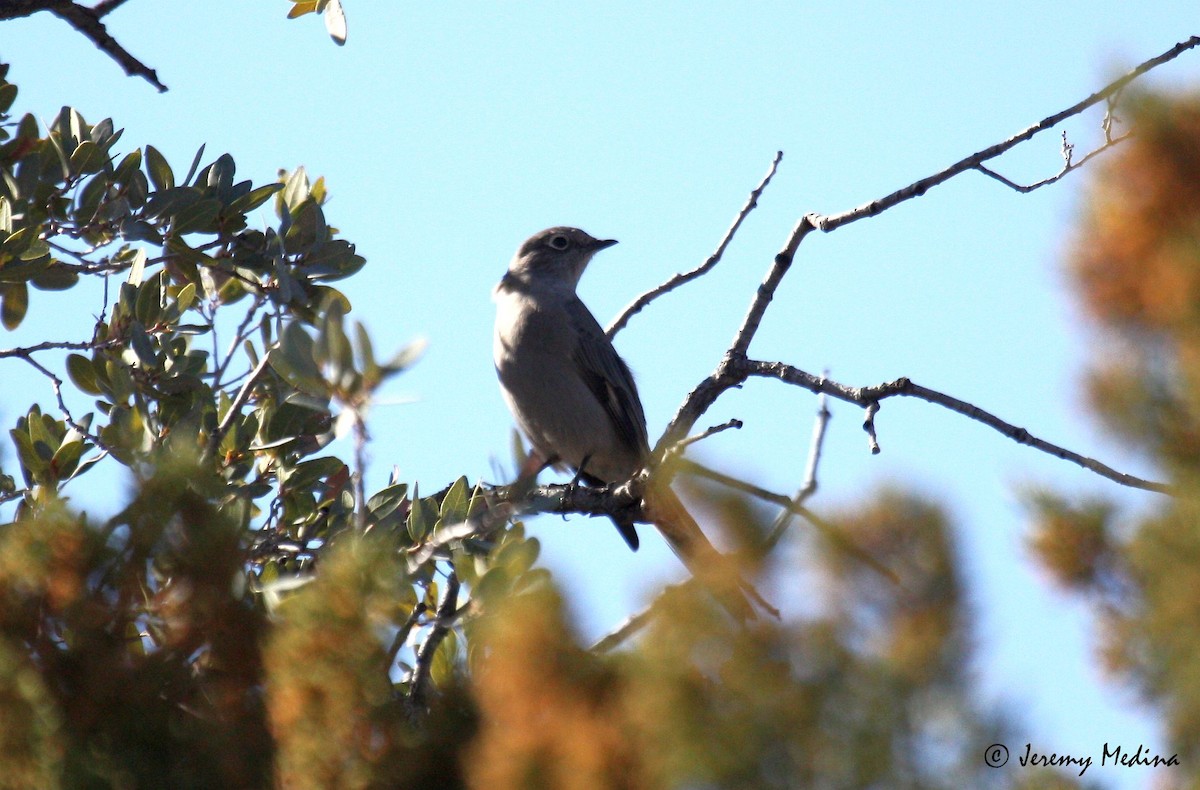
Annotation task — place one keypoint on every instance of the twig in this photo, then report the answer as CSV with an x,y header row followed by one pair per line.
x,y
56,345
239,401
734,371
729,371
88,22
829,530
402,634
637,304
869,426
242,332
418,693
360,470
809,486
1068,165
630,626
809,222
106,7
868,396
725,426
56,384
918,188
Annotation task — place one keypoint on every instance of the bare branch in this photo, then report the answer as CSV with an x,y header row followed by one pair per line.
x,y
52,345
56,384
725,426
106,7
447,612
869,426
239,401
630,626
809,486
868,396
729,371
402,635
1068,164
637,304
88,22
734,371
831,531
972,162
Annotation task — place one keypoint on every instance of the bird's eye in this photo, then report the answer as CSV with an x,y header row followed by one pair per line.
x,y
560,242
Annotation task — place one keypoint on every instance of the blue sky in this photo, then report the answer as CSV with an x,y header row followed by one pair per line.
x,y
447,133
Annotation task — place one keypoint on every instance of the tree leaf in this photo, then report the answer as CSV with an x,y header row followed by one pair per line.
x,y
15,305
83,374
158,169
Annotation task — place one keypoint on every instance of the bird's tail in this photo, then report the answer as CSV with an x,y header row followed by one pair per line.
x,y
715,570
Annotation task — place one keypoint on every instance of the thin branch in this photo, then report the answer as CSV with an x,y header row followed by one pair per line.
x,y
1068,165
918,188
106,7
831,532
56,384
809,486
360,470
239,401
402,634
727,373
637,304
809,222
734,371
630,626
868,396
447,612
725,426
88,21
869,426
52,345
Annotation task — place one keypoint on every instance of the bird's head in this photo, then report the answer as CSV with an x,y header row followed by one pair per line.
x,y
556,255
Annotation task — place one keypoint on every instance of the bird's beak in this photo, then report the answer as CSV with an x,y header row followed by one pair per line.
x,y
603,244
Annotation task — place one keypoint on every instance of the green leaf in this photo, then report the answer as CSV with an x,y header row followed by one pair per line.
x,y
66,459
55,277
384,503
407,356
186,297
142,345
295,190
295,361
8,95
148,306
158,169
15,305
305,474
33,466
454,504
137,267
422,517
131,162
87,158
197,217
83,374
195,165
518,556
255,198
5,215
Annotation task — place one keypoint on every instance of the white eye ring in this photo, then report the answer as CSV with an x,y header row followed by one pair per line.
x,y
560,242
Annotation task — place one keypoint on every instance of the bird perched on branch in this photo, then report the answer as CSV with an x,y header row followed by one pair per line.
x,y
575,400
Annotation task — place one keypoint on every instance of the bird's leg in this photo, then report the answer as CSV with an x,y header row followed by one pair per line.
x,y
579,473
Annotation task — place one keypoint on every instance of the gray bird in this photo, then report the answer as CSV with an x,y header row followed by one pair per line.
x,y
573,396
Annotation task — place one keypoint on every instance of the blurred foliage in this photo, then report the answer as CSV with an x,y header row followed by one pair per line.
x,y
1136,259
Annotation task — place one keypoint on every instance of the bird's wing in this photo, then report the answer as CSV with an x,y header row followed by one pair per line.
x,y
609,379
